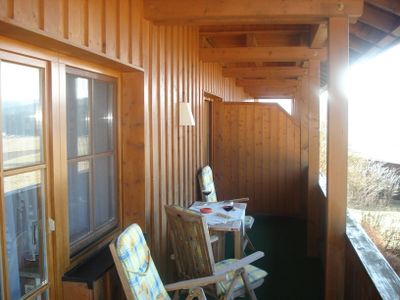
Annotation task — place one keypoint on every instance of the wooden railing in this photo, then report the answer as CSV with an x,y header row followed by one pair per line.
x,y
367,273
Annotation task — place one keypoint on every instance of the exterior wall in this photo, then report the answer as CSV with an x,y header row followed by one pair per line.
x,y
115,32
256,150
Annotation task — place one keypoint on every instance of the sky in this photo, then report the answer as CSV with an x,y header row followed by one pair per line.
x,y
374,107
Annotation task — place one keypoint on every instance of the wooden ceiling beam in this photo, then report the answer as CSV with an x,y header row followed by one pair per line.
x,y
270,83
273,95
319,36
261,54
263,72
211,11
255,32
257,90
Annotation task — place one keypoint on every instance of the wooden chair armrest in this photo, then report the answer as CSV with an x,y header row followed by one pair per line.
x,y
240,263
197,282
246,199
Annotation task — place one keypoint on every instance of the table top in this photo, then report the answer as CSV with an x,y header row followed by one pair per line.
x,y
220,219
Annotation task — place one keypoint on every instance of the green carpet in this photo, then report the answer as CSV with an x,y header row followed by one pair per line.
x,y
291,274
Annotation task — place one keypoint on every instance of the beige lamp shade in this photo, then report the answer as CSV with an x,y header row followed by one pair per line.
x,y
185,114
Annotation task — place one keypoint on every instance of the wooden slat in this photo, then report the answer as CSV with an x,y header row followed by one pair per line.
x,y
124,34
313,206
266,90
268,83
52,11
96,25
337,159
136,32
77,21
319,35
111,27
26,12
379,19
263,72
208,11
258,159
262,54
304,139
133,140
392,6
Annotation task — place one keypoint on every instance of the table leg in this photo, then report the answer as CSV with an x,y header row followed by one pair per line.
x,y
238,241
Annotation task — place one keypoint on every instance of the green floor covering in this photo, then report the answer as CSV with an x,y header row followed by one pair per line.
x,y
291,274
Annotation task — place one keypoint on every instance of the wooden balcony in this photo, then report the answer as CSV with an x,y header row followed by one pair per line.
x,y
213,56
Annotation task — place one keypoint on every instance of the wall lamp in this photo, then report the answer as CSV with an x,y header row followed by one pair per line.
x,y
185,114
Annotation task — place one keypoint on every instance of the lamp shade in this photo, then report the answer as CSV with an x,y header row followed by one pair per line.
x,y
185,114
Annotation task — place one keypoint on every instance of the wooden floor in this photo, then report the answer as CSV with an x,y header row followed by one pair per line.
x,y
291,274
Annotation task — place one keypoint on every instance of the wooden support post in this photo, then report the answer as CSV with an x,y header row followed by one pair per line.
x,y
313,159
304,144
337,158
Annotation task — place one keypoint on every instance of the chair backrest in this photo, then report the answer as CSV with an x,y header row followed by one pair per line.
x,y
207,187
191,243
135,266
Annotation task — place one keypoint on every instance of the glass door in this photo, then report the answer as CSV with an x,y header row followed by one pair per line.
x,y
23,177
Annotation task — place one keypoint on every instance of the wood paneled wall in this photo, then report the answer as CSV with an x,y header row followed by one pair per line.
x,y
109,28
174,74
256,151
114,33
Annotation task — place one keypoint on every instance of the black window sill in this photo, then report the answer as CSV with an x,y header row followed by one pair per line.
x,y
92,268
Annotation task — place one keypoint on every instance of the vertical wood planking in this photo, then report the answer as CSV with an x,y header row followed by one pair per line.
x,y
313,205
261,165
124,43
27,12
52,17
77,22
95,15
133,142
136,32
304,140
111,28
172,73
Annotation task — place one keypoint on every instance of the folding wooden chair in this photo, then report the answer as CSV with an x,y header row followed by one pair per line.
x,y
209,194
194,258
139,276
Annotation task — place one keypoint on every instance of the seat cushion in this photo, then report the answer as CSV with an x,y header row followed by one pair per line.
x,y
248,222
253,273
141,273
207,187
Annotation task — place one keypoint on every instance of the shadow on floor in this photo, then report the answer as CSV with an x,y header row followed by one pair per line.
x,y
291,274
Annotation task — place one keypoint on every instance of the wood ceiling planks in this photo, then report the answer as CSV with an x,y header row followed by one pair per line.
x,y
245,11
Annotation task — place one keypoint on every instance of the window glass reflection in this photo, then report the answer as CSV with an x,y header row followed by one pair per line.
x,y
78,116
79,205
25,232
22,98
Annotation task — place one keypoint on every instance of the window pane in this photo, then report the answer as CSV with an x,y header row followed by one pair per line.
x,y
102,116
105,190
78,199
22,98
25,232
77,116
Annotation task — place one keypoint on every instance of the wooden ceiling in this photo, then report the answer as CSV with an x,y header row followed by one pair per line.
x,y
267,52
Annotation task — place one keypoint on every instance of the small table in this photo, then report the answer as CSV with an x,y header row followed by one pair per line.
x,y
221,220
